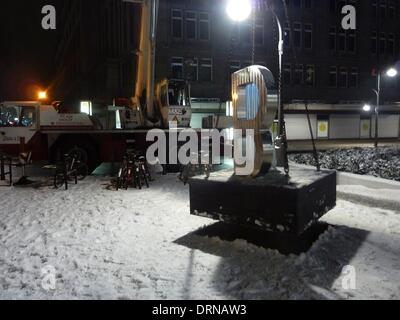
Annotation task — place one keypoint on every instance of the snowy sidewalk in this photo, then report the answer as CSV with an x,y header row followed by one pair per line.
x,y
140,245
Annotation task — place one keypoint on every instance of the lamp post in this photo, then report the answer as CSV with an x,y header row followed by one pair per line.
x,y
391,73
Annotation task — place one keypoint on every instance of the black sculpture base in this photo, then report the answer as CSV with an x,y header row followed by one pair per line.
x,y
273,202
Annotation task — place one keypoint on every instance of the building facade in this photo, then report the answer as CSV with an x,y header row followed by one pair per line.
x,y
322,61
197,41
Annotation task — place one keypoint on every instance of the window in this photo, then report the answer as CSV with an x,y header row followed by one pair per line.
x,y
206,70
332,38
191,25
86,107
353,78
297,3
16,116
246,34
298,74
234,66
177,68
259,33
382,9
374,9
333,77
310,76
192,72
287,74
177,24
351,41
204,26
343,77
391,44
342,40
308,34
297,34
391,10
382,43
374,43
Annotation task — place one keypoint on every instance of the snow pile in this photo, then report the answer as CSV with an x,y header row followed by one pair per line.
x,y
382,162
142,244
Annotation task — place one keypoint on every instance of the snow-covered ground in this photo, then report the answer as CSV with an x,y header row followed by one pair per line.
x,y
101,244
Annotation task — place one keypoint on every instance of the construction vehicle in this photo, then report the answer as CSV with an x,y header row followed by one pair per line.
x,y
50,131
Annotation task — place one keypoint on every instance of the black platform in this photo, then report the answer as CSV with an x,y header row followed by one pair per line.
x,y
272,202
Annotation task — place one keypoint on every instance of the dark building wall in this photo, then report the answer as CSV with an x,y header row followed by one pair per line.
x,y
26,50
96,55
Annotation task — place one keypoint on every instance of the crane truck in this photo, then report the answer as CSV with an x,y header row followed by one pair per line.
x,y
48,131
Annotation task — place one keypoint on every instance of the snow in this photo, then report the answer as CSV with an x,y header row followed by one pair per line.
x,y
379,162
139,244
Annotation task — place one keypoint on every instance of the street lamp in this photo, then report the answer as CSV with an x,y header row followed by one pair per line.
x,y
239,10
367,108
391,73
42,95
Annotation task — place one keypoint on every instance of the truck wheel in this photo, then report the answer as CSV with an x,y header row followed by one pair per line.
x,y
87,153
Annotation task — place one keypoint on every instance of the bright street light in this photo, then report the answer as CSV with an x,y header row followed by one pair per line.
x,y
239,10
392,72
367,108
42,95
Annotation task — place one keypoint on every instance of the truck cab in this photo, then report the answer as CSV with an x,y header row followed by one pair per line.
x,y
18,120
173,99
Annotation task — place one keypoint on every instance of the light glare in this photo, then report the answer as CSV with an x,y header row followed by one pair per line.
x,y
392,72
42,95
367,108
238,10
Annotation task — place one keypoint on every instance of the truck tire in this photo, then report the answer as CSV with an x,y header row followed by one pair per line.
x,y
88,150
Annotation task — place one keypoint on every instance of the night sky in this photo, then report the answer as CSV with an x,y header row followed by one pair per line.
x,y
27,51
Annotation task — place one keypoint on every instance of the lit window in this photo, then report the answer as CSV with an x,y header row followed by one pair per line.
x,y
86,107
